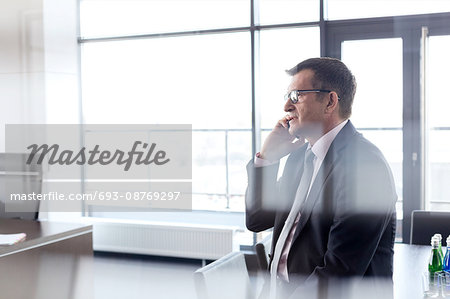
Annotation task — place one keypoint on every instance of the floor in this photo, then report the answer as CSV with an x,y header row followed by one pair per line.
x,y
136,277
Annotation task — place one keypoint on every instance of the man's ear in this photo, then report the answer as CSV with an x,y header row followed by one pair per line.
x,y
333,101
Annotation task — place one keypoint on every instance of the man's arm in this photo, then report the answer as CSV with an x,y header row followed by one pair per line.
x,y
262,198
262,192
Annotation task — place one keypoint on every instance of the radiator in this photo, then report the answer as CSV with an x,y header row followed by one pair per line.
x,y
173,240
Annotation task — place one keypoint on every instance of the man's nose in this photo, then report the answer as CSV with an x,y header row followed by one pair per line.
x,y
288,106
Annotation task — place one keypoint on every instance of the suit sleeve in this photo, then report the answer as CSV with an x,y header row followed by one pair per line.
x,y
262,191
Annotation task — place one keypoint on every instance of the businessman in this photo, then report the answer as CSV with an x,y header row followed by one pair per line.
x,y
333,208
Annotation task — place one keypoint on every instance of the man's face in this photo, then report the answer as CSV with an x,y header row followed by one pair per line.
x,y
309,112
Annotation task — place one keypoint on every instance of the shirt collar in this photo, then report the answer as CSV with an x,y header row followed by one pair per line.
x,y
320,148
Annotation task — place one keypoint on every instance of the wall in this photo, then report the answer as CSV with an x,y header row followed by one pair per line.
x,y
39,67
38,63
21,63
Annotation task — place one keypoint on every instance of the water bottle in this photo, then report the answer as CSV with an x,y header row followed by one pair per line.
x,y
431,288
446,265
439,236
435,262
445,276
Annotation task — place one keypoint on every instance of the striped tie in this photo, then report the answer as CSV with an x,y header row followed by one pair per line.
x,y
287,230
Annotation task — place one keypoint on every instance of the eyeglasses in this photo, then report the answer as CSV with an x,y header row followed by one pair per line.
x,y
294,95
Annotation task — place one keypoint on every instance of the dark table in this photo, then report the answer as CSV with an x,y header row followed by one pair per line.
x,y
54,261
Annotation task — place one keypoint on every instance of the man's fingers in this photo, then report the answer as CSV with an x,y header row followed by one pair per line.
x,y
284,122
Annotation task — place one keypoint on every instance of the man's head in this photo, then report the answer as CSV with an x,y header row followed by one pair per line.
x,y
328,103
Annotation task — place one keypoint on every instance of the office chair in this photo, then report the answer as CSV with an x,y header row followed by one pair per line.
x,y
263,249
224,278
18,177
424,224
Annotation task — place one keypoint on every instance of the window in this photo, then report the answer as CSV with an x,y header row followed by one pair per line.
x,y
103,18
288,11
438,125
219,65
378,104
203,78
191,62
339,9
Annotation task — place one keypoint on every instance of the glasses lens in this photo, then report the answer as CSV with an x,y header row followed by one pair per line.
x,y
293,96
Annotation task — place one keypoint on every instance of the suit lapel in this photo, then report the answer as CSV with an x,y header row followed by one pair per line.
x,y
325,169
307,207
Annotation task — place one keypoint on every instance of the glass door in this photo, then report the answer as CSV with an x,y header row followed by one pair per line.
x,y
437,124
378,106
401,102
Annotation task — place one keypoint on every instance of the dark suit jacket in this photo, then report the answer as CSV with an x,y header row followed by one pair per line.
x,y
347,223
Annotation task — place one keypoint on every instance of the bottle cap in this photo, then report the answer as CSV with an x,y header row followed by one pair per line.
x,y
448,239
438,235
435,241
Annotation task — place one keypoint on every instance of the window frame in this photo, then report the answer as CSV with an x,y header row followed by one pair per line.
x,y
332,33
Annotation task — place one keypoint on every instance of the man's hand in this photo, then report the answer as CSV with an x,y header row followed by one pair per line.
x,y
280,142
